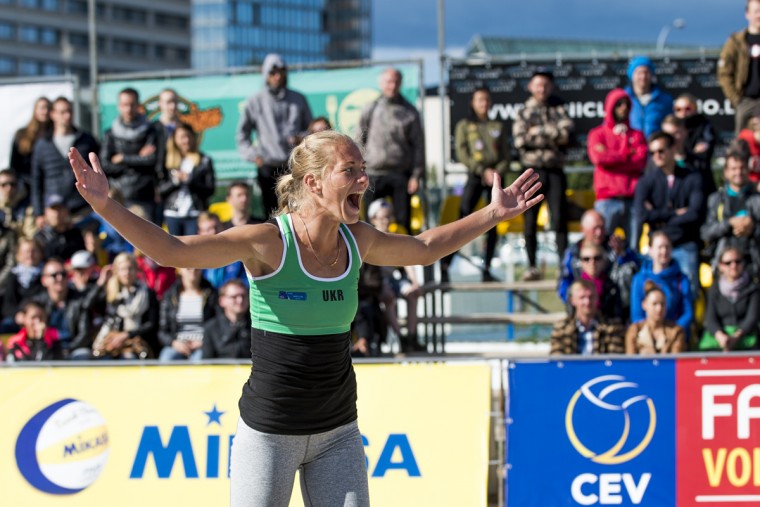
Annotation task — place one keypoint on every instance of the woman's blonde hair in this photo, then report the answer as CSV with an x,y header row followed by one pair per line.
x,y
314,155
26,137
174,156
113,285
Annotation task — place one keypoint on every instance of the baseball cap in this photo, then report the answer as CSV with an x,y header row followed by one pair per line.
x,y
54,200
82,259
376,206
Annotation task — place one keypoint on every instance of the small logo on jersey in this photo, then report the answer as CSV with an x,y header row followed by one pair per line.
x,y
332,295
293,296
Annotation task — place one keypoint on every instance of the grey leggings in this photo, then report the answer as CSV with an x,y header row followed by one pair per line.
x,y
332,468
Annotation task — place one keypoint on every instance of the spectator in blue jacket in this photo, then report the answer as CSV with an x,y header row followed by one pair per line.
x,y
663,270
650,104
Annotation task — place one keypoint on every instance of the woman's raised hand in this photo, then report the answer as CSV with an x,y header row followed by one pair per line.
x,y
91,180
517,197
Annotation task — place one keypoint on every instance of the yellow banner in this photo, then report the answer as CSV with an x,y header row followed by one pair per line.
x,y
160,435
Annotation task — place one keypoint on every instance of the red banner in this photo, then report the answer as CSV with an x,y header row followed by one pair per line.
x,y
718,419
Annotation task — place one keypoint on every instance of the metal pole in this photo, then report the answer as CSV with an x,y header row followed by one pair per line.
x,y
93,42
442,97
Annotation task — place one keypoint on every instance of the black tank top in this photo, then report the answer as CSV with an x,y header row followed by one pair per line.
x,y
299,384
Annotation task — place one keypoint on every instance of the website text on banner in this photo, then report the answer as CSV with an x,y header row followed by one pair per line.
x,y
148,435
673,432
583,85
212,104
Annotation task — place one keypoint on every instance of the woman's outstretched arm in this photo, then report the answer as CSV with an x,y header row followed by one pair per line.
x,y
237,243
398,250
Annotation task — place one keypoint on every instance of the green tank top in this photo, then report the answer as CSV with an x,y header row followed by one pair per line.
x,y
292,301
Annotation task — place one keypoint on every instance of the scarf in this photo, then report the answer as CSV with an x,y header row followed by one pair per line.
x,y
26,275
730,290
132,306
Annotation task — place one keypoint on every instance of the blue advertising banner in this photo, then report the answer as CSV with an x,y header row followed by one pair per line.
x,y
591,433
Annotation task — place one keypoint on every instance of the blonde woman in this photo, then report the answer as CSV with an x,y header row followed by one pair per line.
x,y
188,184
131,314
299,409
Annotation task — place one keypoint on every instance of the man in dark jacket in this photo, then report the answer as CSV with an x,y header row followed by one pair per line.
x,y
700,139
128,155
51,172
670,198
58,236
66,311
390,130
228,335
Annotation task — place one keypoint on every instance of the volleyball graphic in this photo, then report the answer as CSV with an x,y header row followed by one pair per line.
x,y
63,448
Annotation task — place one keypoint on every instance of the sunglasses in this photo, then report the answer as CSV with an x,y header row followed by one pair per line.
x,y
595,258
57,274
729,262
657,152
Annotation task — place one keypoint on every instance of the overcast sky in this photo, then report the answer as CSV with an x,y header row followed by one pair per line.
x,y
404,28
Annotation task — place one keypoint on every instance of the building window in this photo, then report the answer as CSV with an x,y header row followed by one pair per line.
x,y
128,15
51,69
79,40
49,37
7,31
7,65
171,21
51,5
29,34
129,48
28,68
77,6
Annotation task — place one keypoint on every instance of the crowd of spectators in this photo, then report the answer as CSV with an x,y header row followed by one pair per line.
x,y
72,288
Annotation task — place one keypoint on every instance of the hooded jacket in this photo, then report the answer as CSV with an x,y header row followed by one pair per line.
x,y
277,117
677,291
619,166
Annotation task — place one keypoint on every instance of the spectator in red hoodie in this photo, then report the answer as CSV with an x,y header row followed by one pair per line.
x,y
36,341
619,154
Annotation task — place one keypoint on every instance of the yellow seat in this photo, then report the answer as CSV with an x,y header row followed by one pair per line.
x,y
417,220
221,209
705,275
449,210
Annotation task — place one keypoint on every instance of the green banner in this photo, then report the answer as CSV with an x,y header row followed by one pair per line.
x,y
212,104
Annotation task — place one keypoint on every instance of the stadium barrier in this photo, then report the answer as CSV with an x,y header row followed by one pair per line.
x,y
140,434
664,431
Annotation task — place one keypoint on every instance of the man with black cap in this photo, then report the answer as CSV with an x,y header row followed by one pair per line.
x,y
650,104
280,118
58,236
542,133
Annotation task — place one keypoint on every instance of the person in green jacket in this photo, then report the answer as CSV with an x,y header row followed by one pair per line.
x,y
483,147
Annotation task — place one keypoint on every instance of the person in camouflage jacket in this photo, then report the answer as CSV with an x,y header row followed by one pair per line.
x,y
542,133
